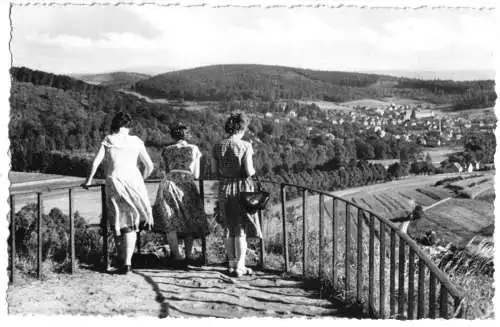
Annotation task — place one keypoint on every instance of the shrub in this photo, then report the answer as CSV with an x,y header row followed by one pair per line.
x,y
55,239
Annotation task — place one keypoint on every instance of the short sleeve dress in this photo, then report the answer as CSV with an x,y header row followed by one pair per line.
x,y
126,194
178,206
230,156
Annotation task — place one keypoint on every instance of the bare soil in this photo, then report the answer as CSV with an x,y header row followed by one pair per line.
x,y
198,292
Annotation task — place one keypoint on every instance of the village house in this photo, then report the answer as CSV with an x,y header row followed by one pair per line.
x,y
330,136
457,167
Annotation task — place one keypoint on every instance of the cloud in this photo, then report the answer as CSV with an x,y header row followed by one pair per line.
x,y
92,22
347,39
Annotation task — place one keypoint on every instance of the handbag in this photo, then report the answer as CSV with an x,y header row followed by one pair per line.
x,y
256,200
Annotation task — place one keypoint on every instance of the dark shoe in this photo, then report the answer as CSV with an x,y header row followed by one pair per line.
x,y
197,262
177,263
125,270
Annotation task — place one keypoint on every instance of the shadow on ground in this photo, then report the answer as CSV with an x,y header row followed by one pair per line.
x,y
208,291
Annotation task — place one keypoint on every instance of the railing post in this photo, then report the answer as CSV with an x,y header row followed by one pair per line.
x,y
12,239
347,248
432,296
321,204
371,263
421,289
204,256
359,256
104,227
392,277
138,242
261,241
334,243
443,302
382,270
401,282
285,236
411,283
304,233
39,235
71,232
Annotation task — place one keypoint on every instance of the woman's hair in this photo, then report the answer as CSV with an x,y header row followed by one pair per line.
x,y
179,132
236,122
121,119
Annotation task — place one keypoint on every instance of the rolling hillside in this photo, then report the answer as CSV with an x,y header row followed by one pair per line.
x,y
116,80
222,82
271,83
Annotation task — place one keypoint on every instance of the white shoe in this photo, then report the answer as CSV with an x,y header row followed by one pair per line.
x,y
244,271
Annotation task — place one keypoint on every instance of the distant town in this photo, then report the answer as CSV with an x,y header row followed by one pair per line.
x,y
423,124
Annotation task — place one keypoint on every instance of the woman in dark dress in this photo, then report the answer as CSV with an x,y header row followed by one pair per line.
x,y
234,166
178,209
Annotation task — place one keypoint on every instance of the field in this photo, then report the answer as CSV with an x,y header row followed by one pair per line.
x,y
403,101
440,154
470,113
326,105
457,221
365,103
26,178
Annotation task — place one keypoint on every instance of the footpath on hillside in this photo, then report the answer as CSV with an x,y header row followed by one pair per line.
x,y
197,292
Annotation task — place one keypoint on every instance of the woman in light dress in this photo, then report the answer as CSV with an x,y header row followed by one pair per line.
x,y
178,209
234,166
126,194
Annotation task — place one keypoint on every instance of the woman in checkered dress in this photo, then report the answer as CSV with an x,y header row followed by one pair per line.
x,y
234,166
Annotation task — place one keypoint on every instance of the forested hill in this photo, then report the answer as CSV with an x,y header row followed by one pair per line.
x,y
58,114
224,82
115,80
229,82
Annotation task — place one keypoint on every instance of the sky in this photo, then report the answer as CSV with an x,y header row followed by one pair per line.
x,y
154,39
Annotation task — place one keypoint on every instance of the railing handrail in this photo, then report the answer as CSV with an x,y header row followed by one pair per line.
x,y
48,189
439,274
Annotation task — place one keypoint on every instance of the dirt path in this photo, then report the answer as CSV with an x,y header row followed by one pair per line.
x,y
199,292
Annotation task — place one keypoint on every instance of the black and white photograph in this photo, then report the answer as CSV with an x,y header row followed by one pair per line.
x,y
313,159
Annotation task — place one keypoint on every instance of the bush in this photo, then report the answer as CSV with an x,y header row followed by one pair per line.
x,y
55,239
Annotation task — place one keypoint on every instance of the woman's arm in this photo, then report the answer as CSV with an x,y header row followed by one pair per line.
x,y
95,164
146,160
248,162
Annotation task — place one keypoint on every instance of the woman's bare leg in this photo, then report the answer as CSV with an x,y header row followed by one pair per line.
x,y
174,244
241,251
129,240
230,251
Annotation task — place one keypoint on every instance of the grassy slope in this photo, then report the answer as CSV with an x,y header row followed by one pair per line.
x,y
114,79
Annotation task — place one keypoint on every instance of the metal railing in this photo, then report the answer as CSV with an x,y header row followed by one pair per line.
x,y
411,276
390,253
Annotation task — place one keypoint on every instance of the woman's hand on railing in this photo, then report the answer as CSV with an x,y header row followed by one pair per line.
x,y
87,184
